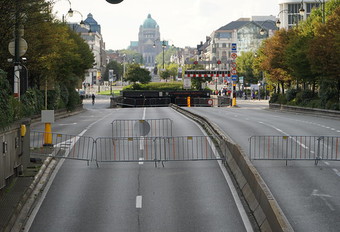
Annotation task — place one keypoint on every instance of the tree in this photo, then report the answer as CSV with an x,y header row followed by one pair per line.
x,y
117,70
296,59
324,53
165,74
137,74
167,57
245,67
272,56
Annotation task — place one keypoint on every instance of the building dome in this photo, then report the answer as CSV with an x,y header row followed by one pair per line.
x,y
149,22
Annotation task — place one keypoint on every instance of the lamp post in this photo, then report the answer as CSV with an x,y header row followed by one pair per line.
x,y
163,47
124,57
262,30
301,12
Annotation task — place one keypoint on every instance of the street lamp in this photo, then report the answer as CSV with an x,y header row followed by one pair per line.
x,y
163,47
278,22
262,30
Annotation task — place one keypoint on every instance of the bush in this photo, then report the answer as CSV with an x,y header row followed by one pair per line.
x,y
291,94
32,102
6,112
73,99
156,86
304,97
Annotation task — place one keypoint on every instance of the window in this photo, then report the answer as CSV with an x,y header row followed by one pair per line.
x,y
294,8
226,35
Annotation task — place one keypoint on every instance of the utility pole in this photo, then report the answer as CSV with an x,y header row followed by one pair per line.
x,y
16,53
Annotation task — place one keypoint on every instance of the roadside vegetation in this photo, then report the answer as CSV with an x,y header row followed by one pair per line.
x,y
300,66
55,62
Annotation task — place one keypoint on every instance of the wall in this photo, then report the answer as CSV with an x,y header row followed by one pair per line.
x,y
15,158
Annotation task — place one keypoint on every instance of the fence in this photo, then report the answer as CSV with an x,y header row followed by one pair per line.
x,y
159,149
61,145
146,127
294,148
127,149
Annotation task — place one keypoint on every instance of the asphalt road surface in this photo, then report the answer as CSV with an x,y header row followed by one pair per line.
x,y
182,196
309,195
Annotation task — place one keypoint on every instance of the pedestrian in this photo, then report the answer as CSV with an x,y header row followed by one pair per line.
x,y
93,98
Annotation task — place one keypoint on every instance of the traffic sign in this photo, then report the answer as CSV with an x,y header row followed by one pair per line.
x,y
233,46
234,77
233,55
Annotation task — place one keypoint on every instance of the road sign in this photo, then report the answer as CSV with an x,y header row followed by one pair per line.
x,y
233,55
233,65
234,77
233,72
210,102
233,46
22,47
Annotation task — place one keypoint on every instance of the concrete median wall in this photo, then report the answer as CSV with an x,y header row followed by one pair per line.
x,y
260,200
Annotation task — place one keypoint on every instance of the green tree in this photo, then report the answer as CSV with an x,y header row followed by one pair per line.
x,y
296,59
137,74
272,54
117,70
324,53
168,52
245,67
165,74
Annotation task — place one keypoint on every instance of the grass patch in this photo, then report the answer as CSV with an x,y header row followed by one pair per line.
x,y
108,92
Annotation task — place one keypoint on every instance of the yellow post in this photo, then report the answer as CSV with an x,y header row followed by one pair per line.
x,y
48,134
234,101
189,101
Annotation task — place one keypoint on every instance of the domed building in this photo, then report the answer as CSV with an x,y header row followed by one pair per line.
x,y
149,41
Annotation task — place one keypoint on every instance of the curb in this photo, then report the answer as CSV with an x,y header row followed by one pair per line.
x,y
27,201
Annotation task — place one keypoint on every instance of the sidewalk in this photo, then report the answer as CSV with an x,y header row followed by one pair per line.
x,y
20,193
13,195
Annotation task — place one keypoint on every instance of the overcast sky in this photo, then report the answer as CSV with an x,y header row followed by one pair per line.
x,y
182,22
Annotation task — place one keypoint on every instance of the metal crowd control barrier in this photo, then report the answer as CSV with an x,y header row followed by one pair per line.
x,y
294,148
61,145
159,149
145,127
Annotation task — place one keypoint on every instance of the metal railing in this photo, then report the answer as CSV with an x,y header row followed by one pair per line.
x,y
127,149
294,148
145,127
159,149
61,145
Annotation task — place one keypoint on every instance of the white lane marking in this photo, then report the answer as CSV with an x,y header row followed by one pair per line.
x,y
138,202
326,163
67,124
144,113
323,197
336,171
141,161
50,181
232,188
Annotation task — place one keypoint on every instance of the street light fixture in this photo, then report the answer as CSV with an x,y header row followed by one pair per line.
x,y
262,30
163,47
278,22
